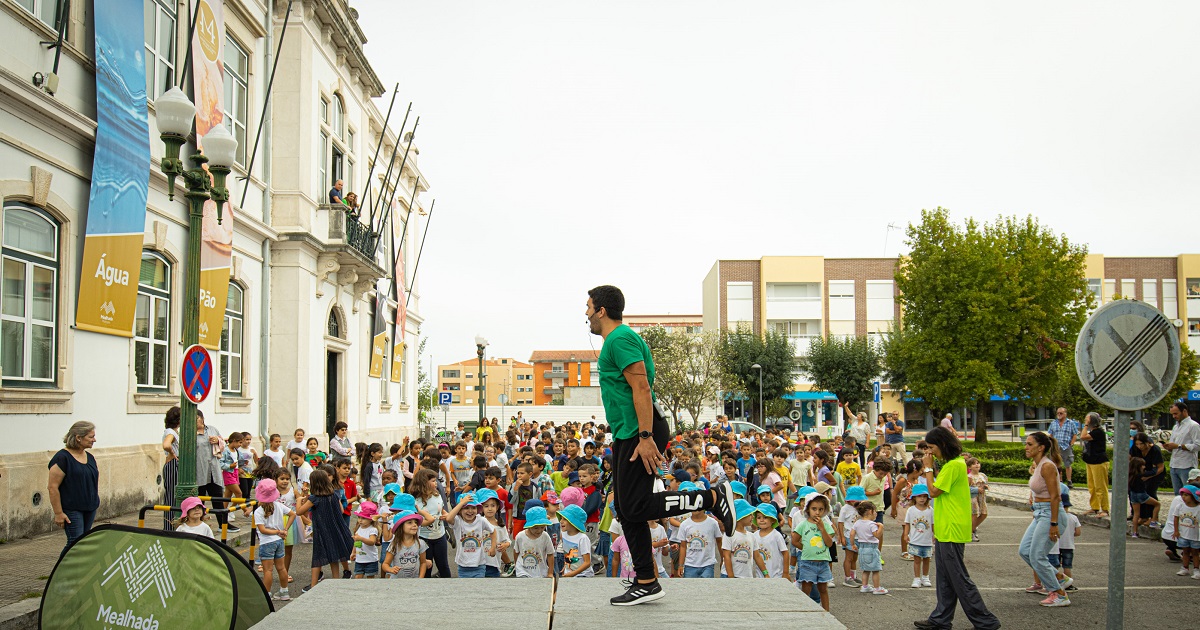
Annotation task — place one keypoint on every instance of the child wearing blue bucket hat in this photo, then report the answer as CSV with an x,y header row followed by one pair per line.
x,y
576,545
918,534
405,556
700,538
769,544
846,520
737,550
471,531
489,502
533,547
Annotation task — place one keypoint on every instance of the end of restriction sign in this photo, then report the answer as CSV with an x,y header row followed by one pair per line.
x,y
196,373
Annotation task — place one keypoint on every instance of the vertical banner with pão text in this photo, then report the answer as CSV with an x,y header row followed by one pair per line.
x,y
116,213
400,277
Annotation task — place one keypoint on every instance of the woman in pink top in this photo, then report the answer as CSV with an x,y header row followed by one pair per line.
x,y
1043,531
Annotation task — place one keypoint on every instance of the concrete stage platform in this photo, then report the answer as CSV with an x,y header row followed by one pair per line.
x,y
579,604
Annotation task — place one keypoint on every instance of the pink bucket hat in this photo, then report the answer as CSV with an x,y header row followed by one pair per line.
x,y
572,496
191,503
366,510
266,492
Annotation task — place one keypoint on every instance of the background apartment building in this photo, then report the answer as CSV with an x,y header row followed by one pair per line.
x,y
691,324
509,377
554,370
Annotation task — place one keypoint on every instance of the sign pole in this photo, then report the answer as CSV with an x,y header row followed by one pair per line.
x,y
1116,532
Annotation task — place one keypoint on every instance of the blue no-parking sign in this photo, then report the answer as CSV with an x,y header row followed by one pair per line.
x,y
445,398
197,373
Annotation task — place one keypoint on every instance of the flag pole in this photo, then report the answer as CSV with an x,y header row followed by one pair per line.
x,y
408,296
287,16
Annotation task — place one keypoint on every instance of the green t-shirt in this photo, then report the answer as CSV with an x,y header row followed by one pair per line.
x,y
952,508
812,546
871,483
622,348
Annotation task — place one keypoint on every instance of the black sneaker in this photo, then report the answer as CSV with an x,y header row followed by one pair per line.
x,y
723,509
638,594
345,574
306,589
233,529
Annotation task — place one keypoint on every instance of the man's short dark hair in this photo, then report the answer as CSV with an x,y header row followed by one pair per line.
x,y
610,299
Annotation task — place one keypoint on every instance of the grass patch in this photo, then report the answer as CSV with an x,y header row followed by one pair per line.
x,y
43,577
31,595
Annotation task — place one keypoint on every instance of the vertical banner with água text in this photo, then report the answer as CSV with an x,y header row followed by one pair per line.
x,y
116,214
379,328
208,86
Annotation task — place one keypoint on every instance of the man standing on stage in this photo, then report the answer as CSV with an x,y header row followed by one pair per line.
x,y
639,438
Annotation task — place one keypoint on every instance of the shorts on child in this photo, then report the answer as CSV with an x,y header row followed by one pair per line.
x,y
1054,560
1067,557
868,557
271,551
366,568
1184,543
698,572
814,571
1138,497
978,505
850,544
472,572
491,571
920,551
230,479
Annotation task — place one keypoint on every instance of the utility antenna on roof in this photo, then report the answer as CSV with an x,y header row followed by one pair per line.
x,y
890,227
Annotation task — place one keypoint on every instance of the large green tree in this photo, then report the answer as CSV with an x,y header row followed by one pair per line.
x,y
687,371
845,366
988,309
742,348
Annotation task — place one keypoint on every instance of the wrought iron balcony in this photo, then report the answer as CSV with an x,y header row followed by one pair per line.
x,y
356,234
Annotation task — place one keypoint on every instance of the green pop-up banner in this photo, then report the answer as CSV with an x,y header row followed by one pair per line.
x,y
117,577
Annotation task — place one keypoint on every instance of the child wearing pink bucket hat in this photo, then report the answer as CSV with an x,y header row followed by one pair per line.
x,y
406,555
192,521
272,520
366,542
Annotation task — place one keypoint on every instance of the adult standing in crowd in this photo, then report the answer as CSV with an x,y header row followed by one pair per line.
x,y
860,430
340,444
952,530
893,433
1095,455
1144,447
208,466
170,470
484,431
1185,441
639,439
1065,431
74,481
1043,532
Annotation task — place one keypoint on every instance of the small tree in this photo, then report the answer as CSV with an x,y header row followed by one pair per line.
x,y
742,348
845,366
425,394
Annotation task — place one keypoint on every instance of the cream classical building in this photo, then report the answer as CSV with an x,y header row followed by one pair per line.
x,y
296,343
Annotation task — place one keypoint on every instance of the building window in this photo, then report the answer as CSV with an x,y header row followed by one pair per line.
x,y
333,326
151,324
841,300
1094,285
350,140
450,374
44,10
793,291
237,71
1110,289
30,300
1129,289
1194,335
739,303
1150,292
323,183
881,301
159,23
339,116
1170,290
231,342
1193,287
324,110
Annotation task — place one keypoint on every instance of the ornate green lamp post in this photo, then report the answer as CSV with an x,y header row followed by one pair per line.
x,y
175,114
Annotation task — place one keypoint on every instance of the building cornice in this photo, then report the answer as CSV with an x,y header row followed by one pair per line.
x,y
46,112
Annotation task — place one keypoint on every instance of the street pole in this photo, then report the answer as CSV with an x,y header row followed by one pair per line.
x,y
480,345
1116,530
761,423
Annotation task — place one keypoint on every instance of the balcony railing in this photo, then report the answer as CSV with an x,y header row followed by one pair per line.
x,y
556,374
357,235
552,391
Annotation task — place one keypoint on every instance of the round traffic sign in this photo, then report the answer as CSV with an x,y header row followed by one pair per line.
x,y
794,414
197,373
1127,355
503,399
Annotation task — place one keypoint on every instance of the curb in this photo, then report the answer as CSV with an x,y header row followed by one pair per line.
x,y
23,615
1144,533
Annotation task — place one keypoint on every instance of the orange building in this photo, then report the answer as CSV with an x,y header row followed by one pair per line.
x,y
555,369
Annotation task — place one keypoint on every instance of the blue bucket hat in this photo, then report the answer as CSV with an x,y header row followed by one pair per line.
x,y
764,488
403,516
687,486
920,489
392,487
768,510
573,515
536,517
742,509
534,503
404,503
739,488
856,493
805,491
484,494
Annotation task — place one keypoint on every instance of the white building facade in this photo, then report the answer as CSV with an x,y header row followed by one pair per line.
x,y
296,344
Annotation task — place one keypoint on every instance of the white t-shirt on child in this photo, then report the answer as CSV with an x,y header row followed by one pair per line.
x,y
470,537
201,530
366,554
407,559
1189,522
848,517
1066,534
575,546
920,526
741,551
657,533
531,554
501,537
771,549
864,531
275,521
699,540
1168,530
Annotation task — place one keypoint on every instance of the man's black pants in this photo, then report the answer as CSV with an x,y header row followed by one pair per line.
x,y
636,502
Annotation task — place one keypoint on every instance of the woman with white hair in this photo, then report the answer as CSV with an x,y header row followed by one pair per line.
x,y
74,482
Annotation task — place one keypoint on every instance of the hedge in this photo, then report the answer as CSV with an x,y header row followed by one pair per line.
x,y
1007,460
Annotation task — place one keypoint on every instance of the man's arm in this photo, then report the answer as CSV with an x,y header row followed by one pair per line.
x,y
643,405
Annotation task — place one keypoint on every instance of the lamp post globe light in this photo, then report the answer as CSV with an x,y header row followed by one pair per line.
x,y
174,115
480,345
760,402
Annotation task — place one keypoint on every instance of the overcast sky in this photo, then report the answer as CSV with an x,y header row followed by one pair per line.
x,y
571,144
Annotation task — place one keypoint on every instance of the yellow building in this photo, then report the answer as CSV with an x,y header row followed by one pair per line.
x,y
505,376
